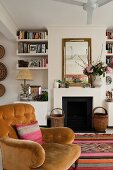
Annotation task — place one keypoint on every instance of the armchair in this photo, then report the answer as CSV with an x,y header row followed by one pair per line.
x,y
57,152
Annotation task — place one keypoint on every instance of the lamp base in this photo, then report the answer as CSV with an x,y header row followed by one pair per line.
x,y
25,87
25,97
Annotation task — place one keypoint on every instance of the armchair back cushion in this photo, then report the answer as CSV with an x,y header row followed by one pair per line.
x,y
10,115
30,132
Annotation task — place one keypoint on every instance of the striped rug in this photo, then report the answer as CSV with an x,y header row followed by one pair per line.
x,y
92,168
96,151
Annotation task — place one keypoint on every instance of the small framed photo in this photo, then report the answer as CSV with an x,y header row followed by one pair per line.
x,y
35,91
33,48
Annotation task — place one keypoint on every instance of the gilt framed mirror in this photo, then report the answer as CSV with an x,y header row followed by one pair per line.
x,y
76,53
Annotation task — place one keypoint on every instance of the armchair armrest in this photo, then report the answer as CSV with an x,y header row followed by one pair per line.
x,y
21,154
62,135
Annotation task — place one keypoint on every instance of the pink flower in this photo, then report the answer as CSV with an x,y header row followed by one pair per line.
x,y
109,70
89,69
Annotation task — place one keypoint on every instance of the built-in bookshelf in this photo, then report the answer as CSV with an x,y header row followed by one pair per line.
x,y
109,59
109,48
32,54
33,49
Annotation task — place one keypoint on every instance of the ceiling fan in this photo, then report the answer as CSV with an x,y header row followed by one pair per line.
x,y
88,7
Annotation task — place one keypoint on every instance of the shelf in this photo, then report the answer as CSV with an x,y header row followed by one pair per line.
x,y
32,54
33,68
32,40
109,40
109,54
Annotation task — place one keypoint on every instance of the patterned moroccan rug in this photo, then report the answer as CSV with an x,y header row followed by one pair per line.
x,y
96,151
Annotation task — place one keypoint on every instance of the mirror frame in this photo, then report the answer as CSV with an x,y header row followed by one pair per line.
x,y
64,40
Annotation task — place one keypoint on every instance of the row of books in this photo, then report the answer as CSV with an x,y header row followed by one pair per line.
x,y
32,48
109,60
109,48
33,63
31,34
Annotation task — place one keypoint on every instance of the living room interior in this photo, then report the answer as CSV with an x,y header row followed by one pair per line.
x,y
59,20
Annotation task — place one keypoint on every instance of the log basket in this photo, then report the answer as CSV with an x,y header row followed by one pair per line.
x,y
57,120
100,120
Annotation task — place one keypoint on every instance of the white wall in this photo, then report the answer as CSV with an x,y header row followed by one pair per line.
x,y
97,34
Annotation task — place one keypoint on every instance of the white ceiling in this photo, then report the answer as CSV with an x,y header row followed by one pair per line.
x,y
43,13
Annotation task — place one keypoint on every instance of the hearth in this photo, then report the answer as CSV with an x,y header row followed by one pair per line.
x,y
78,113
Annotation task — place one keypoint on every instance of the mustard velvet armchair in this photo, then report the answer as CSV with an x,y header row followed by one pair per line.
x,y
57,152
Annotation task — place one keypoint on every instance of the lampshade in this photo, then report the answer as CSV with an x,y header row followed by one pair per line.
x,y
24,74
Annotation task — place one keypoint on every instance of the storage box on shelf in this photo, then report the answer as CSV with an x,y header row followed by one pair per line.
x,y
33,48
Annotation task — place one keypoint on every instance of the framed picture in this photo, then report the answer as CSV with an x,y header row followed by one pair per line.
x,y
33,48
35,91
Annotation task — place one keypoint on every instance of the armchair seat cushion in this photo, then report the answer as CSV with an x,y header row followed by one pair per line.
x,y
59,156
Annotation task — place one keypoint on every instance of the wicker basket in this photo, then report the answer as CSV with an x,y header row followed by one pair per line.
x,y
100,120
57,120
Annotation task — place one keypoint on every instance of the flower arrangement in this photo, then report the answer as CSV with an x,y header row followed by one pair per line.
x,y
95,69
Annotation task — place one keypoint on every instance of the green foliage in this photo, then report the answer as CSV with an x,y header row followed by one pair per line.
x,y
42,97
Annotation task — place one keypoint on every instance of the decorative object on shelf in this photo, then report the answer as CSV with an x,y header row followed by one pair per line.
x,y
108,80
34,63
33,48
109,35
2,90
42,97
36,91
86,85
3,71
56,84
23,63
63,84
24,74
109,61
2,51
108,96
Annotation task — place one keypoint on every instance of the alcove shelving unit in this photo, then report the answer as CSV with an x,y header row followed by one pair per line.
x,y
33,49
109,77
32,53
109,58
109,48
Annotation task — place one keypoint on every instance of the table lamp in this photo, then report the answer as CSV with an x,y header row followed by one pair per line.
x,y
24,74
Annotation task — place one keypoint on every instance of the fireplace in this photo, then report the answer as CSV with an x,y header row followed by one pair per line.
x,y
78,112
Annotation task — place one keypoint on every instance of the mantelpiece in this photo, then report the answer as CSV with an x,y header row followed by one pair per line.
x,y
77,91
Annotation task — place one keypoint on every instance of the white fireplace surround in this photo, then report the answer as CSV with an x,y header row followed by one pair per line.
x,y
77,92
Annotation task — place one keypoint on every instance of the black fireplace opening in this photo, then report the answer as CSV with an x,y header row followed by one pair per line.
x,y
78,113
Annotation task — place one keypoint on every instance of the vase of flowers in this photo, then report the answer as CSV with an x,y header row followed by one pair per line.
x,y
96,71
97,81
